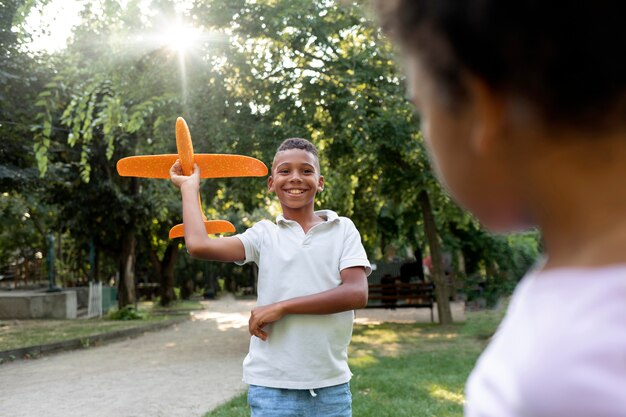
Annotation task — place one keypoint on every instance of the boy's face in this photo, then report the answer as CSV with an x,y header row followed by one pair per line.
x,y
295,178
475,168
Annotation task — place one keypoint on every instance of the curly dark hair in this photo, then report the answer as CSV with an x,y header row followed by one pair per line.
x,y
300,143
566,57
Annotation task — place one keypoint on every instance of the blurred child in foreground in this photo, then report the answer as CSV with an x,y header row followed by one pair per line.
x,y
523,109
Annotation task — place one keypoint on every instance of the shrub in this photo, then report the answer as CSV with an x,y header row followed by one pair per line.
x,y
128,312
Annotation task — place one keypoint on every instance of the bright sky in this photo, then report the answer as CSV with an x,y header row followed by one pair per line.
x,y
58,17
52,27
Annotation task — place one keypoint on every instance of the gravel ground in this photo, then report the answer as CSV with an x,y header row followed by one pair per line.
x,y
183,371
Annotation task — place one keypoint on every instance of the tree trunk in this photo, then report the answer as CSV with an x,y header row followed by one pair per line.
x,y
157,268
126,285
59,276
167,274
164,273
96,272
213,286
441,286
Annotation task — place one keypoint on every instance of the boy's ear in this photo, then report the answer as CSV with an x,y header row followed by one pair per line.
x,y
489,115
320,184
270,184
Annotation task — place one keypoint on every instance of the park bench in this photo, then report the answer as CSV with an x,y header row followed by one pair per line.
x,y
402,295
147,290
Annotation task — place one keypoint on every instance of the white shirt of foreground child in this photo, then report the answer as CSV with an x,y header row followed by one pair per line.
x,y
560,351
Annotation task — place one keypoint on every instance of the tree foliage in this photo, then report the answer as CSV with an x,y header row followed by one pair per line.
x,y
262,71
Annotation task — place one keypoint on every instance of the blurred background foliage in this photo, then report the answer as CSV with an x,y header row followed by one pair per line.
x,y
245,74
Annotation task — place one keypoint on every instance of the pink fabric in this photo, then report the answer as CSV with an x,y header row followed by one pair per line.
x,y
559,352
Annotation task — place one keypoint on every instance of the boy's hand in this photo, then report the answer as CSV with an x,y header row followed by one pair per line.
x,y
261,316
178,179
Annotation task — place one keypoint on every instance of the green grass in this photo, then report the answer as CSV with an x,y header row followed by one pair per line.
x,y
410,370
16,334
237,407
179,305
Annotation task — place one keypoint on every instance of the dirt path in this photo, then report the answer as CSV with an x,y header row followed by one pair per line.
x,y
183,371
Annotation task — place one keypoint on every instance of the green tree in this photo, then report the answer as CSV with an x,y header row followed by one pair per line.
x,y
114,106
262,71
320,70
21,77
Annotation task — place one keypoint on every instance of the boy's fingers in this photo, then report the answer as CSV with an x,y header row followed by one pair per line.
x,y
255,327
175,169
258,333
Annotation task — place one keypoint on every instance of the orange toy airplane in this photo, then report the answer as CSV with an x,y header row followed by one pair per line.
x,y
211,166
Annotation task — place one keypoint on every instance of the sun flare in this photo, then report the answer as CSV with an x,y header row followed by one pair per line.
x,y
181,38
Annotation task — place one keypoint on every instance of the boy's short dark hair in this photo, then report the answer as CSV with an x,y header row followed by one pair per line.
x,y
300,143
565,57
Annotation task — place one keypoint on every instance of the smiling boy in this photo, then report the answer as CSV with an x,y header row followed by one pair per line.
x,y
312,275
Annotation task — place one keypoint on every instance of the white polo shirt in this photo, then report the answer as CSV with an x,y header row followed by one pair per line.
x,y
302,351
559,352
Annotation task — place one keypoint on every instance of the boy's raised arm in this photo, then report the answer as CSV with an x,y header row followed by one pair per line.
x,y
199,245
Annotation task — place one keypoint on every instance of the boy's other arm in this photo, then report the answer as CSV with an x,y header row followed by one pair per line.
x,y
350,295
199,245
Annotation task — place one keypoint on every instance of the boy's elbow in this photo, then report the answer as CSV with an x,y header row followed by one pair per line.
x,y
362,302
192,251
193,248
360,298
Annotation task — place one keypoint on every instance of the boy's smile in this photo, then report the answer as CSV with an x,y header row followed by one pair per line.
x,y
295,179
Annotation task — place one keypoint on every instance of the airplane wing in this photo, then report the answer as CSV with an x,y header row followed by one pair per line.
x,y
211,226
211,166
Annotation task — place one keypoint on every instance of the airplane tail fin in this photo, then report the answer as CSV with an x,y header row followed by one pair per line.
x,y
212,227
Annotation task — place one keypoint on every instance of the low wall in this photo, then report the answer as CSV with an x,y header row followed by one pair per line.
x,y
38,305
109,297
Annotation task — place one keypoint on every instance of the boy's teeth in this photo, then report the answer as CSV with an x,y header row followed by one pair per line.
x,y
295,191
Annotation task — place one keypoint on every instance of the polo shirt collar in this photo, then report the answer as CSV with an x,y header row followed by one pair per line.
x,y
330,215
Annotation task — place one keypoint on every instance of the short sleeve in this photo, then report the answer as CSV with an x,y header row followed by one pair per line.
x,y
353,253
252,239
